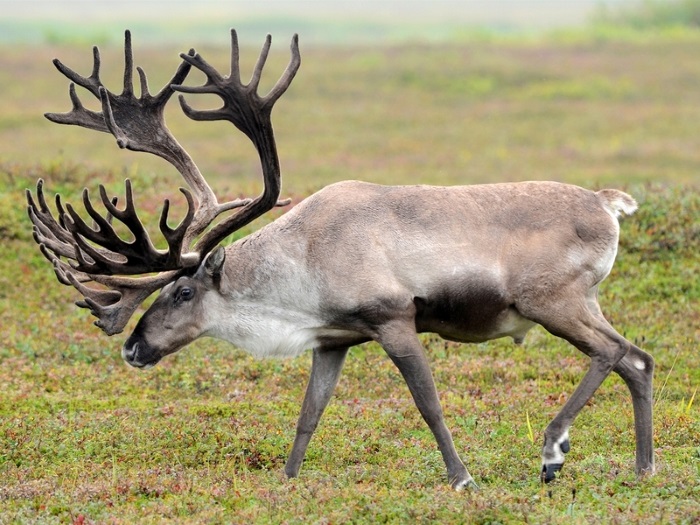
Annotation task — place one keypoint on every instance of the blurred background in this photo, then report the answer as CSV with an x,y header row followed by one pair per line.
x,y
320,21
409,91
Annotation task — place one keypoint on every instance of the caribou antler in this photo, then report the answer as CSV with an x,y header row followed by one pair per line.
x,y
251,114
81,253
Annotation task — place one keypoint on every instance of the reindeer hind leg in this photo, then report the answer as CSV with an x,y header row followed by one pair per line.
x,y
575,322
637,371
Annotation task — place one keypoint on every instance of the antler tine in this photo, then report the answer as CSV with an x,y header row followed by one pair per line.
x,y
41,215
178,78
47,232
128,65
286,79
235,71
50,242
178,235
91,83
262,58
79,115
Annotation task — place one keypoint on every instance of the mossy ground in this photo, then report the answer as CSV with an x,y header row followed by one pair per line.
x,y
203,437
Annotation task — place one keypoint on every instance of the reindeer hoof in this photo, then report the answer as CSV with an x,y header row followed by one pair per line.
x,y
468,483
565,446
555,459
549,471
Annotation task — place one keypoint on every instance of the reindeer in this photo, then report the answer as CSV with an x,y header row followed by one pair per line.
x,y
353,263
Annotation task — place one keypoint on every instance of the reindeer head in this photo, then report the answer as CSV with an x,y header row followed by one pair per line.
x,y
177,316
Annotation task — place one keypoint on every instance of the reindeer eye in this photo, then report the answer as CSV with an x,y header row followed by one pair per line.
x,y
185,294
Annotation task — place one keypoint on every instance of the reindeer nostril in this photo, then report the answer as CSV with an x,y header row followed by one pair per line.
x,y
138,354
130,352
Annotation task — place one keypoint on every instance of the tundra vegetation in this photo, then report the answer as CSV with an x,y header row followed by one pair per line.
x,y
203,437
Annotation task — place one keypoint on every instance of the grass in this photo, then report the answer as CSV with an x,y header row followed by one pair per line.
x,y
203,437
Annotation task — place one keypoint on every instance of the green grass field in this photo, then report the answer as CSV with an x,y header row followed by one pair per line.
x,y
203,437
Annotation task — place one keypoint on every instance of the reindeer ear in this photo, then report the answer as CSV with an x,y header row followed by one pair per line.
x,y
215,262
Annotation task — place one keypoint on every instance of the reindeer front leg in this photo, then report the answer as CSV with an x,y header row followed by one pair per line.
x,y
325,370
401,343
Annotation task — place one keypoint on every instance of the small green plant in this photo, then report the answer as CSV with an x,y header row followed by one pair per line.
x,y
685,407
530,432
